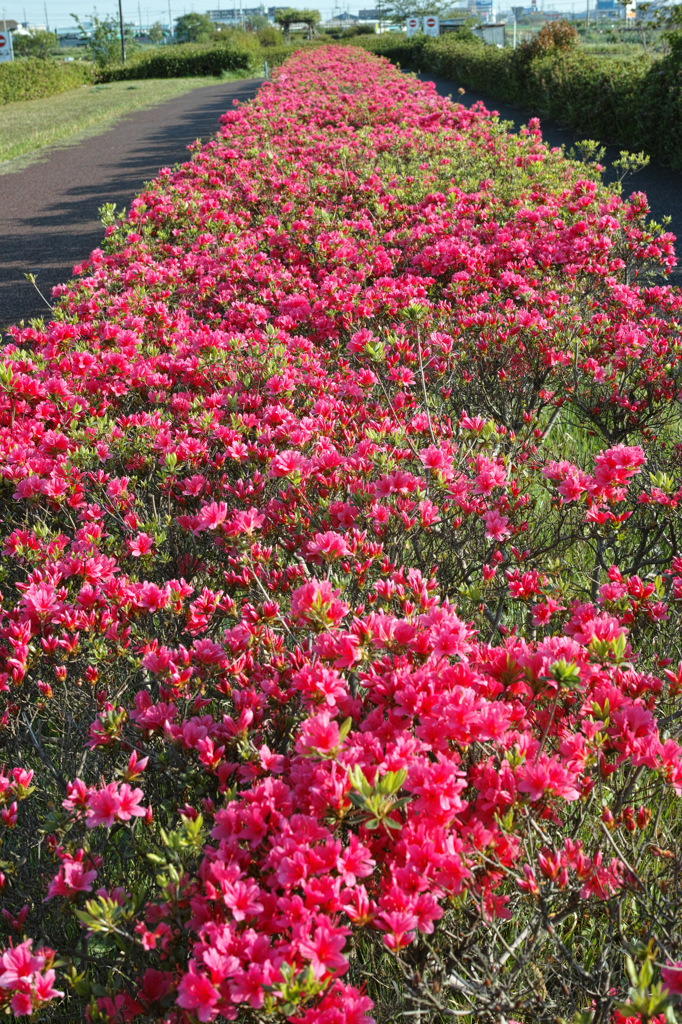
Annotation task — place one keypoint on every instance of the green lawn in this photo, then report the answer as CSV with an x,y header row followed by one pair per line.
x,y
29,126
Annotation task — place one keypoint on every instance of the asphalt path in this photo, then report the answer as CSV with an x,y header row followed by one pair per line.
x,y
49,218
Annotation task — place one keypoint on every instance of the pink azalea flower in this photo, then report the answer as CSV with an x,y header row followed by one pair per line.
x,y
323,950
671,975
18,964
129,803
496,526
103,806
197,994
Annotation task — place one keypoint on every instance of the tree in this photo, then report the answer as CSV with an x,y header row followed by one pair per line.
x,y
38,43
104,39
399,11
194,28
156,33
310,19
285,19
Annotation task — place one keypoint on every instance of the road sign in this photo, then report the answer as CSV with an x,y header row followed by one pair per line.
x,y
6,46
413,26
432,25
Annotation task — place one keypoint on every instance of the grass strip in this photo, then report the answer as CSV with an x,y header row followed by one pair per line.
x,y
27,127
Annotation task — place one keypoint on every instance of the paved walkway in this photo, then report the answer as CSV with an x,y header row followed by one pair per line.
x,y
49,217
49,212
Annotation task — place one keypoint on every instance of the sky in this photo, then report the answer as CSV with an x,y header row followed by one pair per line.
x,y
148,11
59,11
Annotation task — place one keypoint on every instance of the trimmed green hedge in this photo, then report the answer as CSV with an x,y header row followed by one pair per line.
x,y
186,61
191,60
34,78
276,55
636,103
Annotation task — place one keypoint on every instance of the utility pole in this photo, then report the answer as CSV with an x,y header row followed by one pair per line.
x,y
139,17
587,15
170,19
518,13
123,34
47,23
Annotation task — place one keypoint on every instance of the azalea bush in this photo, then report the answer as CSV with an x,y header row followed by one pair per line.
x,y
341,584
619,100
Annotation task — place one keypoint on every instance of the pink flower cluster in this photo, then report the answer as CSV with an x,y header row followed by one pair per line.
x,y
106,806
341,621
27,979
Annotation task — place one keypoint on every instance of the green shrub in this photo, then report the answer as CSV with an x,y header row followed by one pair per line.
x,y
395,47
473,64
35,78
600,97
236,38
37,43
554,36
350,32
268,35
185,61
276,55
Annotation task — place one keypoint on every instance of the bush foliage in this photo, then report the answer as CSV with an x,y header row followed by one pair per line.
x,y
36,43
239,57
241,54
185,61
35,78
340,659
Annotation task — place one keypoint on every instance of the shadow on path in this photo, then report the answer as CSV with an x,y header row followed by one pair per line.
x,y
49,217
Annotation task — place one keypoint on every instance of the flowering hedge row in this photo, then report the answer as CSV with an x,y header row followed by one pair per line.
x,y
341,584
635,103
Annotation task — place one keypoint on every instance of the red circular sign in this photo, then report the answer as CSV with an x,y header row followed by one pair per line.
x,y
3,40
430,22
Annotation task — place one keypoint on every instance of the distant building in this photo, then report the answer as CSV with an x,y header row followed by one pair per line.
x,y
452,24
493,35
342,20
237,16
70,38
234,14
